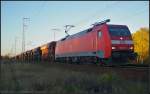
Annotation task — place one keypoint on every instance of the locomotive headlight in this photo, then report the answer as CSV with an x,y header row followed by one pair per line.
x,y
113,47
131,47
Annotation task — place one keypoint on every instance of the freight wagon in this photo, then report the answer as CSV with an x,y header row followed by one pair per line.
x,y
48,51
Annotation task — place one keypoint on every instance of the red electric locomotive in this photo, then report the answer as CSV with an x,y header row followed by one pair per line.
x,y
101,42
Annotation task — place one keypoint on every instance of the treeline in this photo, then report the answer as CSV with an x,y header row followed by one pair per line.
x,y
141,45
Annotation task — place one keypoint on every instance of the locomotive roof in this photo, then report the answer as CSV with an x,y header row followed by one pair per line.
x,y
86,31
116,25
48,44
77,34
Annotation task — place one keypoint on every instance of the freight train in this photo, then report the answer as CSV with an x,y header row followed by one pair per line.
x,y
102,42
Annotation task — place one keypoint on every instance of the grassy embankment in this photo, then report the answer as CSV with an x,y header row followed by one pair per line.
x,y
40,78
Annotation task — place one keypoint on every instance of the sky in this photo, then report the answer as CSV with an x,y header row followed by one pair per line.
x,y
44,16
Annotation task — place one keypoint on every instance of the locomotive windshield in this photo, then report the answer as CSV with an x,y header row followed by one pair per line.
x,y
115,30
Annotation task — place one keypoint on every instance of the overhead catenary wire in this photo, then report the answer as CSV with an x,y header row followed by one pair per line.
x,y
80,23
38,11
128,17
96,14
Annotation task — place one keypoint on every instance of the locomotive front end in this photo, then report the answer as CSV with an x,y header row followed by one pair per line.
x,y
121,41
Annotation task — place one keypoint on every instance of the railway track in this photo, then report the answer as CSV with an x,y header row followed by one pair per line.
x,y
132,72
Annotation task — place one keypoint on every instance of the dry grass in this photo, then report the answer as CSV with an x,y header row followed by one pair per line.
x,y
40,78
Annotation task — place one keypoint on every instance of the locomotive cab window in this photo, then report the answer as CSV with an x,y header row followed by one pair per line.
x,y
119,30
99,34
